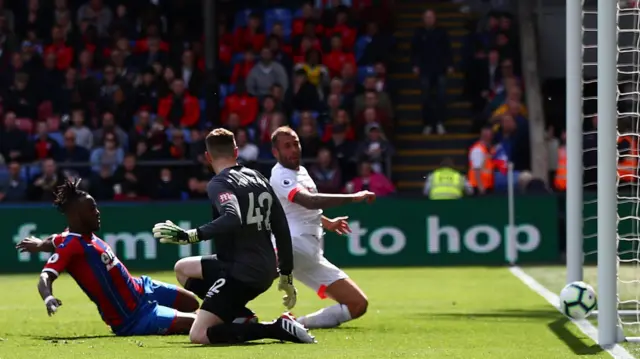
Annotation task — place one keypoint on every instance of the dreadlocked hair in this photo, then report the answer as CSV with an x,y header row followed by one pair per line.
x,y
67,193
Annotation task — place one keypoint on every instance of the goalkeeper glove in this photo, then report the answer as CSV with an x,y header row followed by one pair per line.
x,y
168,232
290,293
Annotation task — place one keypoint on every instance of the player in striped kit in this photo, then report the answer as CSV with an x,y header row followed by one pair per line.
x,y
127,304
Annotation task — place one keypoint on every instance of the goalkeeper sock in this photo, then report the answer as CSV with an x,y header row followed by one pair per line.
x,y
329,317
240,333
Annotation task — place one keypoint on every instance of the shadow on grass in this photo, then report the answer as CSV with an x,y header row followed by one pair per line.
x,y
577,345
558,326
248,344
79,337
506,314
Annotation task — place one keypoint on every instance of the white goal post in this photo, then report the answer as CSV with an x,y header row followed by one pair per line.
x,y
612,58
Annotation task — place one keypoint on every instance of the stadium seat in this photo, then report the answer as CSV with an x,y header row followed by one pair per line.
x,y
279,15
237,58
361,46
4,174
29,172
58,137
242,18
25,124
45,110
364,71
186,134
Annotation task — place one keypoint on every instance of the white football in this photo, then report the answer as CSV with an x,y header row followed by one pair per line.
x,y
577,300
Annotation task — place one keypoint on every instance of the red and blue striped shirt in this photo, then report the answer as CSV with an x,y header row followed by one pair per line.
x,y
99,273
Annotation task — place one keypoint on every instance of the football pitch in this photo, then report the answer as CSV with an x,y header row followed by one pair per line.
x,y
467,312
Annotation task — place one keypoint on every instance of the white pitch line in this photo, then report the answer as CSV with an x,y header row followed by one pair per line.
x,y
616,351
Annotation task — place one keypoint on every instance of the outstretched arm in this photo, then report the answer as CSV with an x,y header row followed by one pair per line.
x,y
35,245
325,200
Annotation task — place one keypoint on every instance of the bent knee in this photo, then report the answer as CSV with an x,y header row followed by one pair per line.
x,y
180,269
358,306
198,337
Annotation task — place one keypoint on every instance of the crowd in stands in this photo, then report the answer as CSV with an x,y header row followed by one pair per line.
x,y
495,89
94,88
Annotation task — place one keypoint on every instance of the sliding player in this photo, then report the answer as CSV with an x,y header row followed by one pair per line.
x,y
303,206
129,305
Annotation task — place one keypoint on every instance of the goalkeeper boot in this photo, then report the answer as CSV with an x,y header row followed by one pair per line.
x,y
288,329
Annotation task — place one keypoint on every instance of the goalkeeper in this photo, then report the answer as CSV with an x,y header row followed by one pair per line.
x,y
245,214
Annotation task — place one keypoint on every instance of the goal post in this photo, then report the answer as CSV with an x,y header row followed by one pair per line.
x,y
603,52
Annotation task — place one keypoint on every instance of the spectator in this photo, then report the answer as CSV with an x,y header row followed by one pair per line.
x,y
305,95
122,110
8,16
317,73
482,77
349,79
101,184
281,52
109,126
247,151
307,15
242,69
278,95
242,104
338,57
372,103
97,14
63,52
527,184
140,130
343,149
14,143
481,168
41,189
109,155
129,178
265,74
375,149
432,60
382,99
251,35
368,180
265,117
179,109
14,189
326,173
343,30
146,92
167,187
43,145
152,52
309,137
199,179
372,46
108,87
178,148
36,18
71,151
341,118
82,133
21,98
190,74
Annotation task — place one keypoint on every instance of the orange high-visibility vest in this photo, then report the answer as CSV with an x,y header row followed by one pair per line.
x,y
560,181
486,173
628,163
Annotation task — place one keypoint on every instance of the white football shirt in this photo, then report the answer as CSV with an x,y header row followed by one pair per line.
x,y
286,183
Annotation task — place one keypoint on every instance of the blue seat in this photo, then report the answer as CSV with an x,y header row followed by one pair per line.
x,y
364,71
58,137
242,18
237,58
30,172
186,134
279,15
4,175
361,46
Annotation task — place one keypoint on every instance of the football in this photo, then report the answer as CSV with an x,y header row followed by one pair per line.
x,y
577,300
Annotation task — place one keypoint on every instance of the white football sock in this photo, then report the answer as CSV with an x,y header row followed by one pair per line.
x,y
329,317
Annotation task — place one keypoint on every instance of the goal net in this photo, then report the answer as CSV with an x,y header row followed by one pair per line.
x,y
610,244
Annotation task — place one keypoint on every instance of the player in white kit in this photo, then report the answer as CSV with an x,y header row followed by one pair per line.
x,y
303,206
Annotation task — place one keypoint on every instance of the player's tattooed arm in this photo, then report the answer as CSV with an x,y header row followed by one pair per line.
x,y
280,230
321,200
324,200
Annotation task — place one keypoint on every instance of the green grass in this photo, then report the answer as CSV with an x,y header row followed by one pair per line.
x,y
554,279
413,313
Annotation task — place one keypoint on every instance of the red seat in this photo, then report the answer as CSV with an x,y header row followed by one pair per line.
x,y
45,110
53,122
25,124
